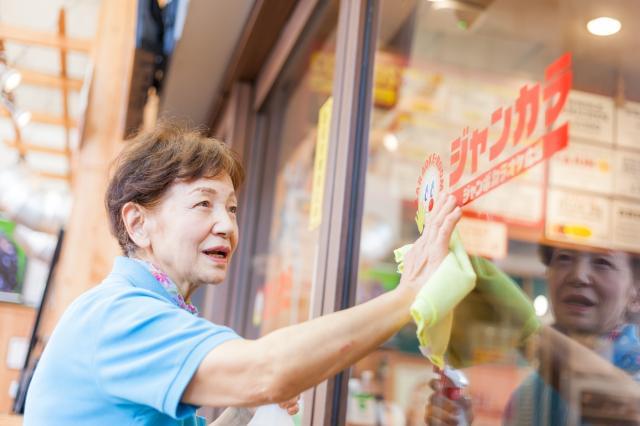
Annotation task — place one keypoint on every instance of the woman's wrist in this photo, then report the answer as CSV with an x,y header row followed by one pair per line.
x,y
404,296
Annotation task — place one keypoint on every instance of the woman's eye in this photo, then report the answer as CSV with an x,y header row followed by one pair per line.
x,y
602,263
233,209
204,203
563,258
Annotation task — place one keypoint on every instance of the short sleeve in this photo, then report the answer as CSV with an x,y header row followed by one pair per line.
x,y
148,350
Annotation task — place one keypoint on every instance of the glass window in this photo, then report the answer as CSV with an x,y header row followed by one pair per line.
x,y
299,110
479,85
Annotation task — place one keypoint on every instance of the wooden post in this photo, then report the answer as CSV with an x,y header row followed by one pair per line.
x,y
89,248
62,32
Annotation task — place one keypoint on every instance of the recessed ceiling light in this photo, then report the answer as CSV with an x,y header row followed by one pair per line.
x,y
391,142
604,26
9,78
22,117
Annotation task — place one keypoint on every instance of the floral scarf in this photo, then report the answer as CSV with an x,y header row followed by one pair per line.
x,y
169,285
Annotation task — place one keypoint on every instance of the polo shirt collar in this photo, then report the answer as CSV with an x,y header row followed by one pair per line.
x,y
139,276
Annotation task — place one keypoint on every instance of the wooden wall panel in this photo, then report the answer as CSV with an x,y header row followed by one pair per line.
x,y
89,249
17,321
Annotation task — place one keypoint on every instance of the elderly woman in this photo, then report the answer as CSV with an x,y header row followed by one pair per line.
x,y
132,351
595,300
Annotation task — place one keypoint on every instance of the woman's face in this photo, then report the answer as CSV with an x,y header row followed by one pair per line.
x,y
590,292
193,231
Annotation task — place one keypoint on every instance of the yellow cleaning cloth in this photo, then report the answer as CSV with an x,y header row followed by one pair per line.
x,y
496,302
432,308
465,292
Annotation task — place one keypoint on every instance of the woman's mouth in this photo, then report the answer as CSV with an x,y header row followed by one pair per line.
x,y
578,303
219,255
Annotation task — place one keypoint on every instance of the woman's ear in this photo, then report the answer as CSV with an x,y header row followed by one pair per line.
x,y
633,307
134,217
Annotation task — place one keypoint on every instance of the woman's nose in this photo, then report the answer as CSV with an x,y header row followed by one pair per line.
x,y
580,273
223,224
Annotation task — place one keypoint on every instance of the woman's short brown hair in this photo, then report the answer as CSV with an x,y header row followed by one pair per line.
x,y
152,161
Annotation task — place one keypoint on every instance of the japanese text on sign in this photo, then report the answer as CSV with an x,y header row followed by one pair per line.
x,y
474,144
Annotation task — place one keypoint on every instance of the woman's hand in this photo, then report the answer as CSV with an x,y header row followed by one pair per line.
x,y
291,405
441,410
433,245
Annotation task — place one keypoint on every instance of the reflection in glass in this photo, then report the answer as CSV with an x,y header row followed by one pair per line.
x,y
564,233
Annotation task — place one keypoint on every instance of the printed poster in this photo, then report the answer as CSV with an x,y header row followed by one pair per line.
x,y
484,238
583,166
590,117
628,126
627,176
577,218
626,225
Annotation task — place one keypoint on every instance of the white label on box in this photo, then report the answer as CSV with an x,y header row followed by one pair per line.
x,y
627,174
590,117
582,166
628,125
17,352
577,218
626,225
484,238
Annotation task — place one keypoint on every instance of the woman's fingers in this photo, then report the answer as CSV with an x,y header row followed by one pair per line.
x,y
431,219
447,205
448,225
441,410
438,416
291,405
444,206
435,385
433,245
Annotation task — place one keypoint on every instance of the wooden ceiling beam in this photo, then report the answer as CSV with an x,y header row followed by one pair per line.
x,y
51,175
40,149
41,38
44,118
36,78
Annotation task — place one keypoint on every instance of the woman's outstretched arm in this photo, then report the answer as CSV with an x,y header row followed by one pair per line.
x,y
290,360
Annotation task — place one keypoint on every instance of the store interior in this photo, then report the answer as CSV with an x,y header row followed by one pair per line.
x,y
439,70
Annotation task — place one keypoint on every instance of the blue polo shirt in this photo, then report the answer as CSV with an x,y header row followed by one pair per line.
x,y
122,354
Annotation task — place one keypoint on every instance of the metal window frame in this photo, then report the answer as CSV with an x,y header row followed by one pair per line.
x,y
344,197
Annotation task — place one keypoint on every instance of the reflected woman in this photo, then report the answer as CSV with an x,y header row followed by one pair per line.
x,y
594,297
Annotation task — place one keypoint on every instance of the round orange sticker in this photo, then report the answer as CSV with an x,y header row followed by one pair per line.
x,y
430,185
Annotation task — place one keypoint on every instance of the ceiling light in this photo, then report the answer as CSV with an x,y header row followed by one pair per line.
x,y
9,78
604,26
391,142
22,117
541,305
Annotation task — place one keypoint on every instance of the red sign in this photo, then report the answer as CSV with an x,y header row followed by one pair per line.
x,y
473,144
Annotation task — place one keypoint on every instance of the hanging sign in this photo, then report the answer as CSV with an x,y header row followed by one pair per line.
x,y
509,155
320,164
